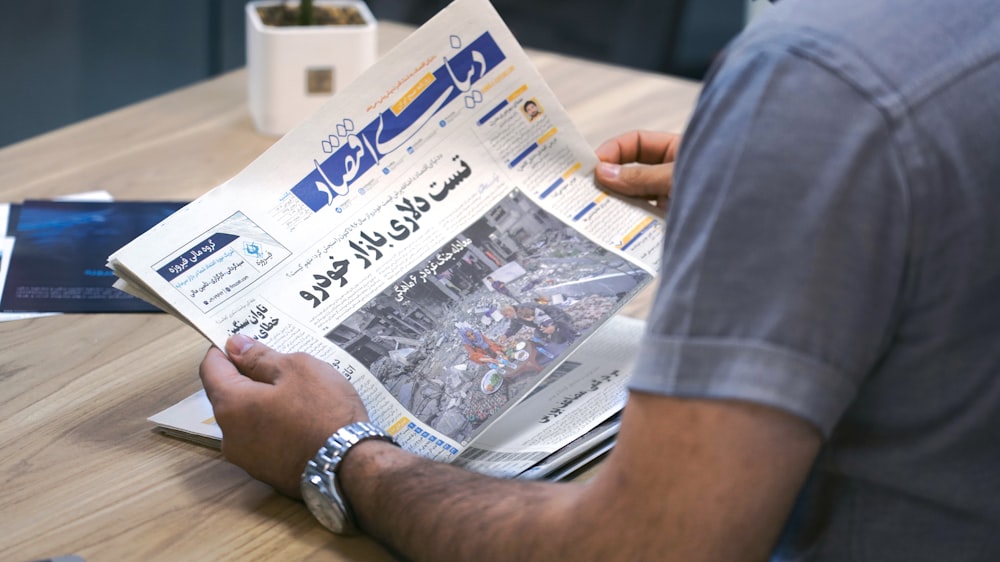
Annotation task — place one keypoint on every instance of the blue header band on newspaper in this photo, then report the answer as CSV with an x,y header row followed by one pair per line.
x,y
485,118
389,131
548,190
197,252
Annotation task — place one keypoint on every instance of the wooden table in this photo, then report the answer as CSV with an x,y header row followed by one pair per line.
x,y
81,470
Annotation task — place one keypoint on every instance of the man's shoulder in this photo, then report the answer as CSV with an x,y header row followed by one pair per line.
x,y
892,47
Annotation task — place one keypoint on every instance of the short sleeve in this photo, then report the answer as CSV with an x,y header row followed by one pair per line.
x,y
786,238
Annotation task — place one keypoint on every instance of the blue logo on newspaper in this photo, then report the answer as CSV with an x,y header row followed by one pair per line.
x,y
388,132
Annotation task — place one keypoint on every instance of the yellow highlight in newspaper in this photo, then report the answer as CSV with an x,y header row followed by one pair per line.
x,y
412,93
635,231
398,426
499,78
548,135
517,93
572,170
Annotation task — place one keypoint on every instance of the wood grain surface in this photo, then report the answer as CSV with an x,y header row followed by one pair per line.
x,y
81,470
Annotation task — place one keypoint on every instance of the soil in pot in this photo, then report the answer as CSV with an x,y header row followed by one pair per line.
x,y
284,15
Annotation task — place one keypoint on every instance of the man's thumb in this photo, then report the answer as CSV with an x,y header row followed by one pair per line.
x,y
250,357
238,345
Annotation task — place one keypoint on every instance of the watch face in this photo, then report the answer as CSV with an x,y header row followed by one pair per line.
x,y
327,511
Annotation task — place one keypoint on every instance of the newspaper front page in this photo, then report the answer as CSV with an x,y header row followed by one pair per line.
x,y
434,232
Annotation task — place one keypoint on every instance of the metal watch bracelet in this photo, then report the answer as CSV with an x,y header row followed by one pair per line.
x,y
321,474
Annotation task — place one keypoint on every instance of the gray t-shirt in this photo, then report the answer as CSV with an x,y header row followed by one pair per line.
x,y
833,250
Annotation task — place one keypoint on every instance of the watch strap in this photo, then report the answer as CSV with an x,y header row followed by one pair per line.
x,y
328,459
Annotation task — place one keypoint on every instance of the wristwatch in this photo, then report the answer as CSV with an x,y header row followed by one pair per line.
x,y
320,488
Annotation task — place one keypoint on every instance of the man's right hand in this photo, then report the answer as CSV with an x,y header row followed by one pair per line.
x,y
652,178
275,409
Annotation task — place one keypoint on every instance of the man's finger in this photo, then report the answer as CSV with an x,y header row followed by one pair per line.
x,y
644,147
650,182
219,375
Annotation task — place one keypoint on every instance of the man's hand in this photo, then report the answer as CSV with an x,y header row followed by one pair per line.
x,y
653,178
275,410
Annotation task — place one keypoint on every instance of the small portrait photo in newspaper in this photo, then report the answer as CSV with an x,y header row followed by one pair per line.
x,y
531,109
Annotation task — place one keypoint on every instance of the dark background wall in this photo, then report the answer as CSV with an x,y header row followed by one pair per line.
x,y
65,60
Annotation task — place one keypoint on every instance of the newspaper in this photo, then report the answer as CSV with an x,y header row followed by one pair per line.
x,y
434,232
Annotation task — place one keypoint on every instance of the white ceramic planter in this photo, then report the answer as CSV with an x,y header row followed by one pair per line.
x,y
294,70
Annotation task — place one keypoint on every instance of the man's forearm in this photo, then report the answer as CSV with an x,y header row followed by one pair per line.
x,y
430,511
732,473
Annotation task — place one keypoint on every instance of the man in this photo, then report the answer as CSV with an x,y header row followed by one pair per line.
x,y
820,379
559,324
500,287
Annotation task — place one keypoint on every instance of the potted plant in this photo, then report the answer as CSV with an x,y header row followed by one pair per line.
x,y
293,66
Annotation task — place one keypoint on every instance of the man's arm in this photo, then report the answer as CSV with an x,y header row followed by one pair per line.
x,y
557,314
513,328
688,479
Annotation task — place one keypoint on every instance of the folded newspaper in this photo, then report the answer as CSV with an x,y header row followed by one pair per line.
x,y
435,233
